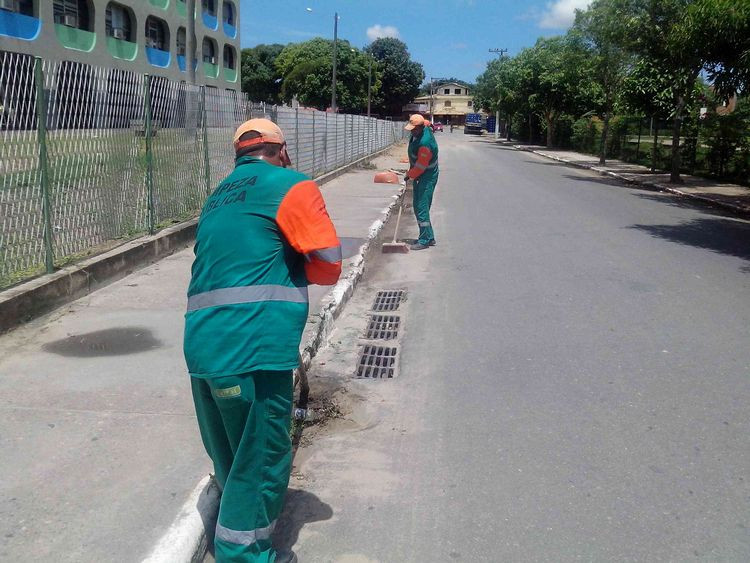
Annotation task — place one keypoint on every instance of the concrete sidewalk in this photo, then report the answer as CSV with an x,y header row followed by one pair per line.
x,y
729,196
99,448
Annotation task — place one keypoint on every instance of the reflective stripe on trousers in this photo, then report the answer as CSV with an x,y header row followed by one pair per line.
x,y
244,537
247,294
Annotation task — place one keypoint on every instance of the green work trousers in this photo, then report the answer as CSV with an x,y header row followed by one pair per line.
x,y
245,421
424,188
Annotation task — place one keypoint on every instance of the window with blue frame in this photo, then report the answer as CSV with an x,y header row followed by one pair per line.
x,y
229,18
19,20
157,42
209,14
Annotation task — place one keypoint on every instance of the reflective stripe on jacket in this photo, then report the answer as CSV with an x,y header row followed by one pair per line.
x,y
263,236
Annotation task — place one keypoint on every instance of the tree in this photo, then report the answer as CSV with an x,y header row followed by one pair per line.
x,y
400,76
557,71
499,89
260,79
601,28
306,70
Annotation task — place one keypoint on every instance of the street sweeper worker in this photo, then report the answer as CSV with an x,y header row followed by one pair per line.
x,y
423,162
263,236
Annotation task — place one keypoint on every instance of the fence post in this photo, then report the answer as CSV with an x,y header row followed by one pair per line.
x,y
149,154
314,154
41,127
296,138
206,160
345,122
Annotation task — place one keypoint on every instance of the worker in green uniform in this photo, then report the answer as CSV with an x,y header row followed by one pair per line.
x,y
423,162
263,236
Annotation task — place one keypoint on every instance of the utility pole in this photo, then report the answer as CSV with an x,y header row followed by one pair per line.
x,y
369,86
335,39
501,53
190,41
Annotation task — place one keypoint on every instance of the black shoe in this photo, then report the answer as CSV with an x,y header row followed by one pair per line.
x,y
418,246
286,556
433,242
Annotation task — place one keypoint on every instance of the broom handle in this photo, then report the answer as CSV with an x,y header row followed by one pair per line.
x,y
398,220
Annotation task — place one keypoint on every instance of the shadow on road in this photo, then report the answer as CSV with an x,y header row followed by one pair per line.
x,y
301,508
725,236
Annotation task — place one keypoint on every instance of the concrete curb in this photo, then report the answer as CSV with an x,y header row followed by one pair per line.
x,y
41,295
186,538
654,186
24,302
185,541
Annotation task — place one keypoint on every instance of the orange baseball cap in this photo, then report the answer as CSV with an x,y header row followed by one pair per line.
x,y
415,120
427,123
269,133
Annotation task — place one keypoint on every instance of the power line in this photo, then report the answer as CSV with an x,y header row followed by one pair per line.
x,y
500,52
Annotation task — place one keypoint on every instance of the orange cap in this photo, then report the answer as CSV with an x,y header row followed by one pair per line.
x,y
415,120
269,133
427,123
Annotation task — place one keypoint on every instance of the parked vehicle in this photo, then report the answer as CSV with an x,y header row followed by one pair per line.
x,y
437,126
473,124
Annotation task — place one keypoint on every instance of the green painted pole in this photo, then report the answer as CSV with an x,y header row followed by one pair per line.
x,y
41,119
148,130
206,160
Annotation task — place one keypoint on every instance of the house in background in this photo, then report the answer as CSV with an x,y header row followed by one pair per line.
x,y
449,103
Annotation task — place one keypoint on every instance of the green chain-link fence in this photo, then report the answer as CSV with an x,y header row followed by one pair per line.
x,y
94,156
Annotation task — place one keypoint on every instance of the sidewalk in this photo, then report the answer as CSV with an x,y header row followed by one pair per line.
x,y
99,448
729,196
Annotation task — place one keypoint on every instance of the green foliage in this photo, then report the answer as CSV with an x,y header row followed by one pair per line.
x,y
260,78
400,77
306,70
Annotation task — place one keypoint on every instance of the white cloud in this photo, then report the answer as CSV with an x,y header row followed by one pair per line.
x,y
560,14
377,31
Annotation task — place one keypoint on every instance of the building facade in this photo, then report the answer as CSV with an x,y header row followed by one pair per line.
x,y
141,36
449,103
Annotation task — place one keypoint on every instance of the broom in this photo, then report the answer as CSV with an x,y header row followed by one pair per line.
x,y
396,247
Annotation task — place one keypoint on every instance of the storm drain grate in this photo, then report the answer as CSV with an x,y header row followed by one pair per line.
x,y
382,327
377,362
388,300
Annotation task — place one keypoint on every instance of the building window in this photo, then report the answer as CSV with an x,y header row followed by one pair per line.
x,y
74,13
118,22
446,104
229,58
447,91
228,12
209,51
468,103
181,42
23,7
157,34
457,91
209,7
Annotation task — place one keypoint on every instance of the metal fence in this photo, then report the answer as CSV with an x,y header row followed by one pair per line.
x,y
93,156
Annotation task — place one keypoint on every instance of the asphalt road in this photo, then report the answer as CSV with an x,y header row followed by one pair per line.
x,y
574,383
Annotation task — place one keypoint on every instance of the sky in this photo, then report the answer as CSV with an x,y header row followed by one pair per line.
x,y
451,38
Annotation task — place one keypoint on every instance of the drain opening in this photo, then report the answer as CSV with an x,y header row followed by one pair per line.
x,y
382,327
377,362
388,300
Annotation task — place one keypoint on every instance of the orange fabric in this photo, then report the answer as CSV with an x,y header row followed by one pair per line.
x,y
424,155
304,222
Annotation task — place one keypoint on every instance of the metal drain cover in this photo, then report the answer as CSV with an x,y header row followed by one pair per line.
x,y
383,327
388,300
377,362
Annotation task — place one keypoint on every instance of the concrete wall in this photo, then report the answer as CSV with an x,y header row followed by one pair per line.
x,y
48,44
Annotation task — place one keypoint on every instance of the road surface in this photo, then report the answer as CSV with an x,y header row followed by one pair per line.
x,y
574,384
